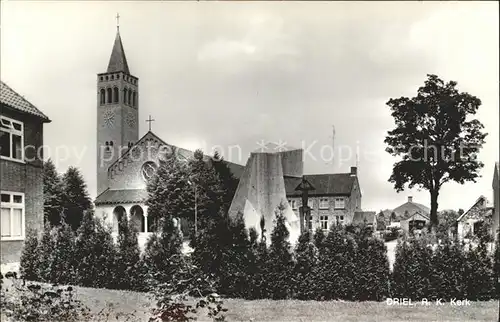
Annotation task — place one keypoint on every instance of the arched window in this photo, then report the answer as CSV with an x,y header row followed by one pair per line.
x,y
134,99
110,95
103,96
119,215
115,94
129,97
125,96
137,219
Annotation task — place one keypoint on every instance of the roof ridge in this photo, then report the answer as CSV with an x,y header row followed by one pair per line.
x,y
4,98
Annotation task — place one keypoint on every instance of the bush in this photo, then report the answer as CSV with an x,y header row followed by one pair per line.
x,y
35,302
307,259
45,250
163,255
479,274
449,264
128,269
280,262
29,261
96,251
63,255
372,266
413,271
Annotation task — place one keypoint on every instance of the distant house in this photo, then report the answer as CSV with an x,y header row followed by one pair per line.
x,y
496,196
469,223
408,216
415,222
368,218
21,167
409,208
334,200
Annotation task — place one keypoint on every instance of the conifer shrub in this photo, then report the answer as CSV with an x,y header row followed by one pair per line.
x,y
45,252
234,281
372,269
64,255
96,253
128,270
479,273
307,259
280,262
30,260
258,257
163,255
337,268
413,271
449,264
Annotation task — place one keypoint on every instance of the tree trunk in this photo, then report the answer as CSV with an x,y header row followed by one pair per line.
x,y
434,208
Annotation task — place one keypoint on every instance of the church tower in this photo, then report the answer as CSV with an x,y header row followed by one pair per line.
x,y
117,112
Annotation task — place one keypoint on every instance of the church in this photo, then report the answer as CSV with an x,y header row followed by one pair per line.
x,y
126,161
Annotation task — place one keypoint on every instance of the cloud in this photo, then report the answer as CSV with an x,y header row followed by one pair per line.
x,y
264,39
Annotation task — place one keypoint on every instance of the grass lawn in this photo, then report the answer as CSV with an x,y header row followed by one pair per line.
x,y
267,310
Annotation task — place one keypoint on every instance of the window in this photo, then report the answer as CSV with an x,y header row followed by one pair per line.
x,y
323,222
125,96
12,215
11,139
323,203
310,203
115,94
339,203
103,96
109,94
340,219
293,204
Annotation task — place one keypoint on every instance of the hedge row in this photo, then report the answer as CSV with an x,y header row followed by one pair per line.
x,y
343,264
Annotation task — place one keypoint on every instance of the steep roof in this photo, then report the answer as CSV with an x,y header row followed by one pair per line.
x,y
17,102
122,196
361,217
480,204
118,61
324,184
410,208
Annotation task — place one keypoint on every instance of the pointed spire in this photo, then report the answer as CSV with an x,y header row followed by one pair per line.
x,y
118,61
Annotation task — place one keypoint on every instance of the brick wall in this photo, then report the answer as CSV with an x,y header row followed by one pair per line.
x,y
28,179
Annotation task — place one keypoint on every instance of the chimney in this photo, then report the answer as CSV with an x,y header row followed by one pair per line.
x,y
354,171
410,199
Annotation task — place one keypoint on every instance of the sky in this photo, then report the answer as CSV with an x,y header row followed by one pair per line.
x,y
232,74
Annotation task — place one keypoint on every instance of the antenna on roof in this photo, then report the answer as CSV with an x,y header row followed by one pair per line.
x,y
333,147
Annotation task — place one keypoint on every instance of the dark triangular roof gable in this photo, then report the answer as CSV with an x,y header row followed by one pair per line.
x,y
118,60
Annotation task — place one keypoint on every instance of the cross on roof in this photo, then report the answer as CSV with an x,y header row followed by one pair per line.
x,y
149,120
117,20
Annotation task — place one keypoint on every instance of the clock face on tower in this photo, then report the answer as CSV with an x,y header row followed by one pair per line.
x,y
109,118
130,119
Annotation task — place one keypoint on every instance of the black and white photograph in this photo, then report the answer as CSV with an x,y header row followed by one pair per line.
x,y
249,161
